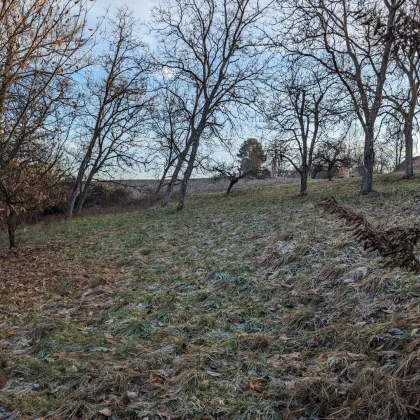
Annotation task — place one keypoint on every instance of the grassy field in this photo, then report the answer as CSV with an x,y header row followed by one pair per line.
x,y
256,306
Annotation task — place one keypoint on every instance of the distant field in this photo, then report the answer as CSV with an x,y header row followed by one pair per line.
x,y
256,306
139,187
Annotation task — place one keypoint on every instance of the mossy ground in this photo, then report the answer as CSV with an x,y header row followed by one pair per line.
x,y
252,306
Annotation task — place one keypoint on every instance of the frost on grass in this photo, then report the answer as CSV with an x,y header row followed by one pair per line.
x,y
253,307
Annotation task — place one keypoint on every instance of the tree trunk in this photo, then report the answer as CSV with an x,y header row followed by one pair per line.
x,y
11,228
163,177
162,181
187,175
70,203
81,200
232,183
76,190
408,137
368,160
174,178
329,174
85,192
304,184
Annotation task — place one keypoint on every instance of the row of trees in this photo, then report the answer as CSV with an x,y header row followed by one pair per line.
x,y
83,102
256,162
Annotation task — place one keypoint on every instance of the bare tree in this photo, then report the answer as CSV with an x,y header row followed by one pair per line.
x,y
32,183
275,159
391,142
42,44
354,41
168,127
230,172
234,174
113,106
207,50
299,110
332,155
404,90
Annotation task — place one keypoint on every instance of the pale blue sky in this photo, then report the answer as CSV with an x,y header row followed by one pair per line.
x,y
141,8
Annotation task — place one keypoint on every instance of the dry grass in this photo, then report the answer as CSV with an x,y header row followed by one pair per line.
x,y
252,307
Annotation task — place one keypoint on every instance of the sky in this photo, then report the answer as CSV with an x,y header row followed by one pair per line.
x,y
141,8
142,12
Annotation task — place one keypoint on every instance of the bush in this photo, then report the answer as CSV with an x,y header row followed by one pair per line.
x,y
102,195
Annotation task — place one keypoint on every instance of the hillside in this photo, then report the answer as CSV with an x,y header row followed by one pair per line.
x,y
141,187
257,306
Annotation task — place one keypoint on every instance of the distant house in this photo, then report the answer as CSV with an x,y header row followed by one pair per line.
x,y
343,173
416,165
356,171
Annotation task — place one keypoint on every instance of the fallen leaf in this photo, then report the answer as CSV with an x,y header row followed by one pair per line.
x,y
95,364
157,380
310,292
412,345
120,367
254,385
3,382
403,323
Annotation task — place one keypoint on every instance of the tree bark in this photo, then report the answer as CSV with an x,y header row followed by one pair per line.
x,y
232,183
11,228
304,184
174,178
84,193
162,181
330,174
192,141
187,175
408,137
368,160
165,172
76,189
70,203
81,200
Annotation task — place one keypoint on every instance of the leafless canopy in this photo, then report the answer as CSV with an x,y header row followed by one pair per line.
x,y
211,63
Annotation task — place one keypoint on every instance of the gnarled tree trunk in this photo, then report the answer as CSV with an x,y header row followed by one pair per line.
x,y
231,184
304,183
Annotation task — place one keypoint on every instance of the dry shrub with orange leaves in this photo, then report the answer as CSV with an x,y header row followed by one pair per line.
x,y
27,187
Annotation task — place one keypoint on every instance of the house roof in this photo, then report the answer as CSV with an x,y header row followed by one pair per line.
x,y
416,164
